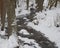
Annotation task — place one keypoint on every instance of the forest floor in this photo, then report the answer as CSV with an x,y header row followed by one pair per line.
x,y
36,32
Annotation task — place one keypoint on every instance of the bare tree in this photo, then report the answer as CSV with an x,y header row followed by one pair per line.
x,y
11,4
39,5
9,7
53,3
0,8
2,13
27,3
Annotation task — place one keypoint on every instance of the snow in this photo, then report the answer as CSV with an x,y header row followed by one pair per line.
x,y
23,31
29,41
27,46
8,43
3,43
13,41
47,22
47,26
2,32
45,4
23,12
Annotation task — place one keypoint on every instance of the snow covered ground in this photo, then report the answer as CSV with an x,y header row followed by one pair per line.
x,y
8,43
47,26
12,42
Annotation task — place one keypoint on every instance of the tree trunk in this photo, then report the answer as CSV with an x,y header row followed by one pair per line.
x,y
39,5
3,14
56,3
52,3
11,17
27,2
0,14
0,8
